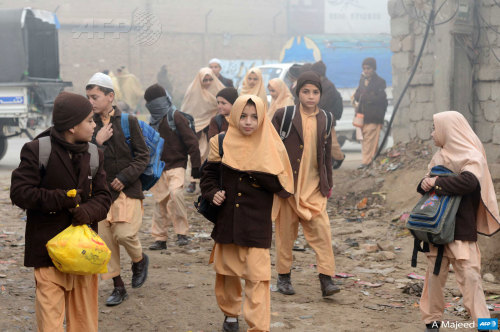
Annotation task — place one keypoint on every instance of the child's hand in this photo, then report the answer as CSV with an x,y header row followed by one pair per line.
x,y
104,134
428,183
117,185
219,197
73,198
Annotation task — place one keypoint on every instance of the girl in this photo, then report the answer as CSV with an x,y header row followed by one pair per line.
x,y
254,166
225,100
462,152
254,85
199,101
281,96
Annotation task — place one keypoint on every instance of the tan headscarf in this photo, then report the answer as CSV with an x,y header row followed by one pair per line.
x,y
263,151
461,150
284,98
200,102
130,88
258,90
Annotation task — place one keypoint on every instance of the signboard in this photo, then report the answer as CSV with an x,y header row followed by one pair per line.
x,y
18,100
357,17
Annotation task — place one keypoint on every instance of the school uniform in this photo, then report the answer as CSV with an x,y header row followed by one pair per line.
x,y
213,127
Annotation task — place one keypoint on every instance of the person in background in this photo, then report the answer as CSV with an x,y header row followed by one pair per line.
x,y
123,164
461,151
253,84
254,166
163,79
43,193
281,96
215,65
168,192
200,102
330,101
130,88
370,100
225,100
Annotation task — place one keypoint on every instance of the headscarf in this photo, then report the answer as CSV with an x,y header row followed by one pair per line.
x,y
130,87
284,98
263,151
461,150
200,102
258,90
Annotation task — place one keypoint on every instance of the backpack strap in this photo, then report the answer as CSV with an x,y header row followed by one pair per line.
x,y
170,119
286,122
44,149
94,159
439,259
221,140
218,121
125,125
329,122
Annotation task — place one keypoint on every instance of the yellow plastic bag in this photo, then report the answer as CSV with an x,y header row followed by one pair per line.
x,y
79,250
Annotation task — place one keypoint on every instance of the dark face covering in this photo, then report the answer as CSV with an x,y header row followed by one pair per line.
x,y
158,108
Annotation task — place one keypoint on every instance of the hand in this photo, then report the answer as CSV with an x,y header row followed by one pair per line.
x,y
104,134
73,200
195,172
428,183
80,216
219,197
117,185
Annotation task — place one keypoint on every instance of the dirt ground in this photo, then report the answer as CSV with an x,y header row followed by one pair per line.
x,y
370,243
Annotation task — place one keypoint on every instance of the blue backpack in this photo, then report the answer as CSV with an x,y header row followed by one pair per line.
x,y
153,171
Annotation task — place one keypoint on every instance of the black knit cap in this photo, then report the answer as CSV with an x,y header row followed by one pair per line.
x,y
229,94
153,92
319,68
370,62
308,77
70,109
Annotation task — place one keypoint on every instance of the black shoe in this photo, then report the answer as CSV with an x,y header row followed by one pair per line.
x,y
140,271
337,163
118,296
158,245
433,327
285,284
191,187
230,326
327,286
182,240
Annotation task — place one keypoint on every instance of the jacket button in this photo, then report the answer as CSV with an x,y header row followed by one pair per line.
x,y
301,146
240,179
239,194
294,172
237,205
298,160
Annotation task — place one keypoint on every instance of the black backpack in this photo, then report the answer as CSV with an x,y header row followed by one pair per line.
x,y
218,121
289,114
171,122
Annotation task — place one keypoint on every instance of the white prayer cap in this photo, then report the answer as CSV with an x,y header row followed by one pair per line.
x,y
102,80
215,60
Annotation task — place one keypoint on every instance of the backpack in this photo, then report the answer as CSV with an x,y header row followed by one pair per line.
x,y
171,122
289,114
154,142
338,107
202,205
45,147
432,220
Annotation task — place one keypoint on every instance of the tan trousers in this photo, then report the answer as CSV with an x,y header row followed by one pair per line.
x,y
257,304
123,232
317,233
369,145
60,295
337,153
467,273
169,204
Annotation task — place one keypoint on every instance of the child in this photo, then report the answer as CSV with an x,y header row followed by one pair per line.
x,y
123,165
281,96
168,192
225,100
462,152
42,192
254,165
254,85
309,149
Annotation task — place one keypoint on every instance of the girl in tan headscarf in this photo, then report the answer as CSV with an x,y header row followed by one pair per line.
x,y
253,84
460,151
254,166
199,101
281,96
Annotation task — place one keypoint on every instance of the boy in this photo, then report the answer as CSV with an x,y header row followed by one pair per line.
x,y
168,191
42,192
309,150
123,165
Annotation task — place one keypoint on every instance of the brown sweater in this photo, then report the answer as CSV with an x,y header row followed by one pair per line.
x,y
42,195
466,185
372,99
179,145
118,160
245,216
294,145
213,129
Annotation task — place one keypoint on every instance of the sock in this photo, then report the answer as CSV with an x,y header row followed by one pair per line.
x,y
231,319
118,282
